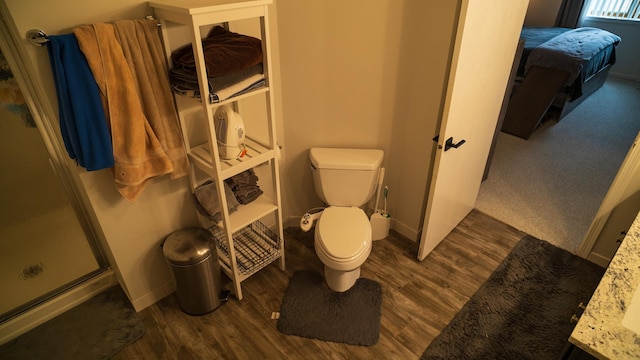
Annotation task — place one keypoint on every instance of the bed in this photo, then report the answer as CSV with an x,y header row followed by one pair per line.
x,y
559,68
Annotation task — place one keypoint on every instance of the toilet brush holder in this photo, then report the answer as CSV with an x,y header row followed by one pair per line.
x,y
380,223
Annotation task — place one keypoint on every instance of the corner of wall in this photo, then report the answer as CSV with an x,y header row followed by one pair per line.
x,y
153,296
404,230
599,259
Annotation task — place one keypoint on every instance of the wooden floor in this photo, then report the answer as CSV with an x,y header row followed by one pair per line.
x,y
419,299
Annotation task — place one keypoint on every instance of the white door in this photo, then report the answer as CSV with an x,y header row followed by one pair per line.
x,y
483,51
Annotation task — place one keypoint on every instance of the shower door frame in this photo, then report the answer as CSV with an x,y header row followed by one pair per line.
x,y
27,317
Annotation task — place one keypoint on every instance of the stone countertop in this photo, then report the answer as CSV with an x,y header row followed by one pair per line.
x,y
600,331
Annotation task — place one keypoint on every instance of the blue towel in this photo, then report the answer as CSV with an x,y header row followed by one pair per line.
x,y
84,128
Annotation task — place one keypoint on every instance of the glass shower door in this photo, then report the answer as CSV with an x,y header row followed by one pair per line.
x,y
44,249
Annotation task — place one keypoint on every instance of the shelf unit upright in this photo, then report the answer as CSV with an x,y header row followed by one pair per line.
x,y
244,243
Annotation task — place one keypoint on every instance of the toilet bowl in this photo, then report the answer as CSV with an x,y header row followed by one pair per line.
x,y
343,243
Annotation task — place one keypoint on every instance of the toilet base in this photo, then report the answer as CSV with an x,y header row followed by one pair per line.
x,y
341,281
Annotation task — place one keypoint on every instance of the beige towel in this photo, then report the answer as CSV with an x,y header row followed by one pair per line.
x,y
138,154
144,53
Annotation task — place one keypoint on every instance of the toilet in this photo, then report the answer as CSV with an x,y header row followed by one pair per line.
x,y
344,179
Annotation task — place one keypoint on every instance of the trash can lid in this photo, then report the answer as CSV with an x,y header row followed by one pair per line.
x,y
187,246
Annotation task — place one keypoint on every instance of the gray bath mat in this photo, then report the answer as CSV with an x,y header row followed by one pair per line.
x,y
310,309
524,310
95,329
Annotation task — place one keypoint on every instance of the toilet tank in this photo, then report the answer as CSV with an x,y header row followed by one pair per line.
x,y
345,177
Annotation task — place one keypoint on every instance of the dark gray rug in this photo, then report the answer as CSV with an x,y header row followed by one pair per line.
x,y
95,329
310,309
524,309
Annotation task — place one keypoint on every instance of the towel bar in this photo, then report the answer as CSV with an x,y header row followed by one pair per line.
x,y
39,38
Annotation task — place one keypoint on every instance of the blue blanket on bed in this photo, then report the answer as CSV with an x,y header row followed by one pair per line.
x,y
570,50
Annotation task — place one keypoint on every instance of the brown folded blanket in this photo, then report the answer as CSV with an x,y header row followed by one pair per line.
x,y
225,52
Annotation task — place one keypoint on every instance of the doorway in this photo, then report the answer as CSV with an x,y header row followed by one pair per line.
x,y
551,186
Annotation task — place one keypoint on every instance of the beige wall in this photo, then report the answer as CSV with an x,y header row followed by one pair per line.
x,y
542,12
366,77
354,74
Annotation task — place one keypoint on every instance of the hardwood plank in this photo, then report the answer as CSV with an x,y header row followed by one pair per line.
x,y
419,300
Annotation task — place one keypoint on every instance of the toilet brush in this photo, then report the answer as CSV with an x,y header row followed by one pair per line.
x,y
380,221
386,193
380,181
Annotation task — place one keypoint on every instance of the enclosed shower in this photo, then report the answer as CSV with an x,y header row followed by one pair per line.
x,y
46,245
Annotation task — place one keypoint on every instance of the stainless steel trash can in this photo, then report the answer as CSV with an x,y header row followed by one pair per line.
x,y
194,261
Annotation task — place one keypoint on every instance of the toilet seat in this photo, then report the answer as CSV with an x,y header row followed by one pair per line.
x,y
343,234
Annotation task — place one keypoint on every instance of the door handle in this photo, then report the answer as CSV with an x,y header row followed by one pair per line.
x,y
449,144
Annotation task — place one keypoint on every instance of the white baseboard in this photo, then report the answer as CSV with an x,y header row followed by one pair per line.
x,y
153,296
404,230
56,306
624,76
599,259
292,221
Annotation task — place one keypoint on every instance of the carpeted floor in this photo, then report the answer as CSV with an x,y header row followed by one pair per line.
x,y
524,310
551,185
310,309
95,329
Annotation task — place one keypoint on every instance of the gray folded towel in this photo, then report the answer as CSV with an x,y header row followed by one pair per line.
x,y
248,197
244,186
207,203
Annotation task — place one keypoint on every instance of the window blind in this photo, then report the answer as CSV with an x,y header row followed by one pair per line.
x,y
618,9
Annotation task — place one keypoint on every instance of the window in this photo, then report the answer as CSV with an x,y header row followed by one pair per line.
x,y
615,9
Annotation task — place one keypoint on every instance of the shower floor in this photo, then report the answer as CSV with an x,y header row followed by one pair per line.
x,y
40,255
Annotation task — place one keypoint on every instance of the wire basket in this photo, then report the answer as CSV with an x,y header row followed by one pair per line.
x,y
255,247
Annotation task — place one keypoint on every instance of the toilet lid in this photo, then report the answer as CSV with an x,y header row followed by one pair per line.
x,y
343,232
